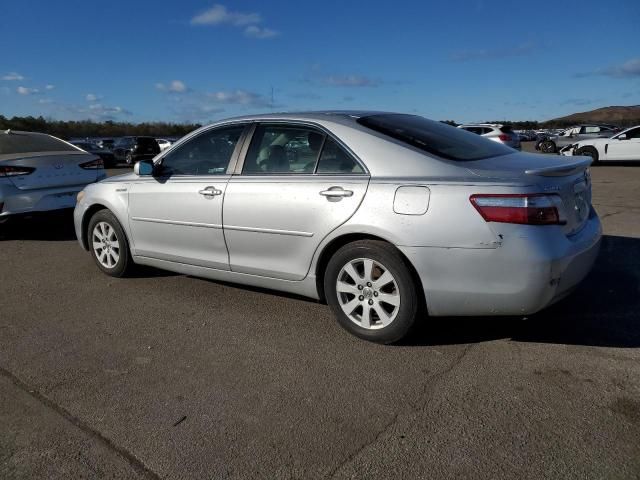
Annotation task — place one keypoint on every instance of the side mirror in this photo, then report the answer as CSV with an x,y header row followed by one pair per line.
x,y
143,169
622,137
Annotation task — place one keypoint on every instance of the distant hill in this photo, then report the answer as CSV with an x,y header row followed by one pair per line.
x,y
617,115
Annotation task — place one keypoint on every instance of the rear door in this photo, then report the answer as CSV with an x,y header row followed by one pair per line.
x,y
296,185
176,215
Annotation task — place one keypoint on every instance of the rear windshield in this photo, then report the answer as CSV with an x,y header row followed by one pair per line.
x,y
506,129
16,142
434,137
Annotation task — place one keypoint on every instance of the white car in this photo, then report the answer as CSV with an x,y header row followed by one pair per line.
x,y
623,146
495,131
164,144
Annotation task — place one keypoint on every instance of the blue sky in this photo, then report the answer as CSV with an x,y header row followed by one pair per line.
x,y
195,61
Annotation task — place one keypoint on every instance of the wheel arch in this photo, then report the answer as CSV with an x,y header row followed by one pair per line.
x,y
335,244
86,218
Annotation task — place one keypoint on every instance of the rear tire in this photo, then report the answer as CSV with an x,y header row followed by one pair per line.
x,y
128,158
589,152
548,146
108,244
371,291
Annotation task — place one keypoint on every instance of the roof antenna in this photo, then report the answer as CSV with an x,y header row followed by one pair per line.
x,y
271,98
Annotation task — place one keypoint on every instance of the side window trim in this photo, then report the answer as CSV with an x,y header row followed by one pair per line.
x,y
322,130
235,155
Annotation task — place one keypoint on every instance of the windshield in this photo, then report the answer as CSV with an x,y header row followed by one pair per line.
x,y
434,137
16,142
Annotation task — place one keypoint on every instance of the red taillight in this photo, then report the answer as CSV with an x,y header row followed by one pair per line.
x,y
536,209
12,171
93,164
505,138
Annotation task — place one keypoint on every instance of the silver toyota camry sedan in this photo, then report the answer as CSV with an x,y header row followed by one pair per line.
x,y
39,173
387,217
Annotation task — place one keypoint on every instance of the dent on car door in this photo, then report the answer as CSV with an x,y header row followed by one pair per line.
x,y
176,215
297,185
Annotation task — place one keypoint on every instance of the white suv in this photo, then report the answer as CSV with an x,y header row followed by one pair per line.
x,y
496,132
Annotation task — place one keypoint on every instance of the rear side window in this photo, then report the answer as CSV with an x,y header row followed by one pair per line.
x,y
334,159
435,138
32,143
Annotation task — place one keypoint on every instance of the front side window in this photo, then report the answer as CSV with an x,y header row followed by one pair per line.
x,y
206,154
634,133
434,137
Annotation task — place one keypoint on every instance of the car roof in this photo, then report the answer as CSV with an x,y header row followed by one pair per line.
x,y
339,116
496,125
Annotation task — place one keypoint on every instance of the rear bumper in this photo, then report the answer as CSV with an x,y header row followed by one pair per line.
x,y
533,268
18,201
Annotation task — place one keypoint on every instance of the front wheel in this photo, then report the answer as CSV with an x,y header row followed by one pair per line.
x,y
371,291
548,146
128,158
108,244
589,152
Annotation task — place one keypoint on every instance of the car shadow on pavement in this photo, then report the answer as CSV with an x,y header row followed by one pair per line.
x,y
45,226
604,311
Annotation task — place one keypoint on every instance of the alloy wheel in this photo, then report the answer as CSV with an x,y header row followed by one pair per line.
x,y
368,293
106,245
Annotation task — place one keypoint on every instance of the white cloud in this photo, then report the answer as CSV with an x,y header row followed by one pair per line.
x,y
176,86
49,87
27,91
12,76
349,81
92,97
218,15
45,101
239,97
254,31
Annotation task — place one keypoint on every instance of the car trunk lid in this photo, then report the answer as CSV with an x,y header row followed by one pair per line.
x,y
52,169
566,177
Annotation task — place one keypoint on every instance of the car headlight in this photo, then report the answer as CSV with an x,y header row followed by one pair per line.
x,y
80,196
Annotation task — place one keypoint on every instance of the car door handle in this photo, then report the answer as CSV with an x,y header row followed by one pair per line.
x,y
336,192
210,192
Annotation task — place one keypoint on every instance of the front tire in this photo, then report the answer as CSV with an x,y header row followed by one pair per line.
x,y
371,291
108,244
548,146
128,158
589,152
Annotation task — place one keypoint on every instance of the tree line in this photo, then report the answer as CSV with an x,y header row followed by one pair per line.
x,y
89,128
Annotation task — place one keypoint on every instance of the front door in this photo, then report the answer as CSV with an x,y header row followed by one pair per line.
x,y
627,149
176,215
297,185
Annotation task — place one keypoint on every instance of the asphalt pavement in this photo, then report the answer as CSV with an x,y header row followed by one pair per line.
x,y
170,376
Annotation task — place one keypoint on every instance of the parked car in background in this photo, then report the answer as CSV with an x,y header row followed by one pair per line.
x,y
133,149
310,203
106,143
108,158
624,146
163,143
40,172
497,132
554,143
